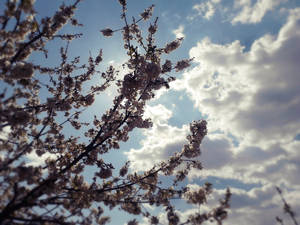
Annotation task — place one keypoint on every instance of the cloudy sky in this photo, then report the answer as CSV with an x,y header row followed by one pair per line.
x,y
245,80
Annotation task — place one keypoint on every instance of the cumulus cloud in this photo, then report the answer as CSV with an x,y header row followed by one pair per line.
x,y
161,141
179,32
259,206
216,152
4,132
35,160
248,13
251,100
205,9
252,95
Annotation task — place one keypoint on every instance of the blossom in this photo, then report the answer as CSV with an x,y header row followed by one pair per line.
x,y
122,2
107,32
123,171
103,220
183,64
89,99
153,70
38,110
104,173
173,45
152,28
20,117
167,66
64,106
60,18
132,222
22,71
173,217
131,207
198,130
154,220
26,5
147,13
68,81
8,51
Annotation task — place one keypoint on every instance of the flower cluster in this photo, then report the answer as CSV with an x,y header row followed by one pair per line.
x,y
173,45
198,131
107,32
183,64
22,71
147,13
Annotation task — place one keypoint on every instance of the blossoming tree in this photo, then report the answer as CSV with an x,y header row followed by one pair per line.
x,y
57,192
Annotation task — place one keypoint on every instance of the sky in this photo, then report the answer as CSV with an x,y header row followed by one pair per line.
x,y
244,80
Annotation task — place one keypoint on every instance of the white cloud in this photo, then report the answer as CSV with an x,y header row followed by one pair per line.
x,y
179,32
251,99
249,13
259,206
253,95
35,160
159,114
161,141
205,9
216,151
4,131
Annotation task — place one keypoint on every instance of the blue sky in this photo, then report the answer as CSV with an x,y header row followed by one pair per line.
x,y
245,80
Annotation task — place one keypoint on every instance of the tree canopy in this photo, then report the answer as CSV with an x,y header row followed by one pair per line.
x,y
38,101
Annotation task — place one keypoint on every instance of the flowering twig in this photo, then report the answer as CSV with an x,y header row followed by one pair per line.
x,y
286,207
